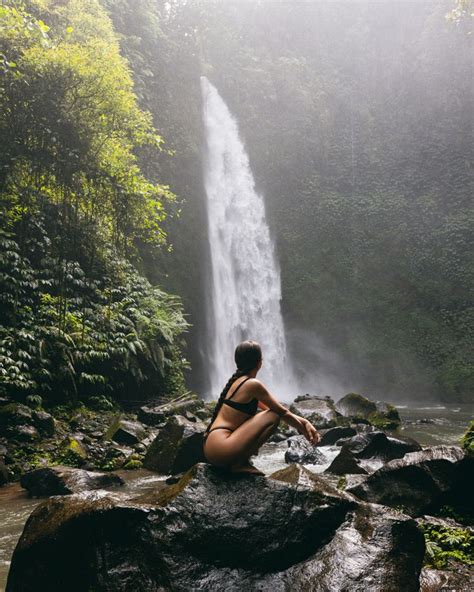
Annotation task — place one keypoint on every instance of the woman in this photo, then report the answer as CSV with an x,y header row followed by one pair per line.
x,y
240,430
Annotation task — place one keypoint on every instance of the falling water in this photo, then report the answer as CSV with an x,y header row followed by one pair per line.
x,y
246,290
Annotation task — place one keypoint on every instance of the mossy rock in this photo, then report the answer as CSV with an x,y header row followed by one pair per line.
x,y
72,453
380,414
467,441
133,464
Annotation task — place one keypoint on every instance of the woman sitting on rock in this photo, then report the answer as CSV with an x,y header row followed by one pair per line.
x,y
241,430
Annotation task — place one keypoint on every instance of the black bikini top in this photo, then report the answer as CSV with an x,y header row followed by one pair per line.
x,y
250,407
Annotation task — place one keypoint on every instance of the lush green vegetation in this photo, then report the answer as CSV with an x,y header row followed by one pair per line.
x,y
78,321
445,545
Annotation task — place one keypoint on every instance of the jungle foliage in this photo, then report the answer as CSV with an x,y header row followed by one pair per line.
x,y
78,320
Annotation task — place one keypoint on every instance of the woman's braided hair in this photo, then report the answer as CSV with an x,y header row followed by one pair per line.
x,y
247,355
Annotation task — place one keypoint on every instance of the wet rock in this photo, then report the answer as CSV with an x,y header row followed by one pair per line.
x,y
278,436
115,457
126,432
344,463
73,451
177,447
295,533
359,408
14,414
421,481
301,451
45,423
332,435
320,411
23,433
378,445
61,480
437,580
156,414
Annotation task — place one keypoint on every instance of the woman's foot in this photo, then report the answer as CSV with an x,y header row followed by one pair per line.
x,y
246,467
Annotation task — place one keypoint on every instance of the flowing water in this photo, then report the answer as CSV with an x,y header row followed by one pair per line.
x,y
246,289
430,425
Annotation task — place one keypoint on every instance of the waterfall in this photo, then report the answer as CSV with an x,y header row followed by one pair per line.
x,y
246,288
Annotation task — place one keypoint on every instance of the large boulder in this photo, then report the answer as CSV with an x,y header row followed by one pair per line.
x,y
379,445
379,413
126,432
332,435
213,531
318,410
301,451
177,447
420,482
155,414
60,480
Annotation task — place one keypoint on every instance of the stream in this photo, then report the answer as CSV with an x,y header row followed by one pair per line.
x,y
429,425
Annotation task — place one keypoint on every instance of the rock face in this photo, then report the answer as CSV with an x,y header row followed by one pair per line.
x,y
346,463
126,432
218,532
319,411
177,447
157,414
65,480
19,422
378,413
378,445
301,451
420,481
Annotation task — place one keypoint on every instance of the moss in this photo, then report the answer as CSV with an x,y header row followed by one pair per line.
x,y
133,464
71,453
467,441
342,482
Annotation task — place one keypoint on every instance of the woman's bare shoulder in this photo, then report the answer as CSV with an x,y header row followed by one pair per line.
x,y
256,384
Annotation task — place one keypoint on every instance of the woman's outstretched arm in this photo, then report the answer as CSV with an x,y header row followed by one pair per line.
x,y
301,424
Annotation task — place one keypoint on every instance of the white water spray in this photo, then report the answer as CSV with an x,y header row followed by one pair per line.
x,y
246,289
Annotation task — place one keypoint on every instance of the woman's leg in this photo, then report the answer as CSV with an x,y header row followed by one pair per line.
x,y
238,446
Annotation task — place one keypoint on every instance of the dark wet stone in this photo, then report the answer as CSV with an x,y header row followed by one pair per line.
x,y
14,414
60,480
421,481
344,463
45,423
319,411
332,435
177,447
126,432
23,433
437,580
301,451
294,532
379,445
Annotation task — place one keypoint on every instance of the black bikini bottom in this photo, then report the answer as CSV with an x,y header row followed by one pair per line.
x,y
218,428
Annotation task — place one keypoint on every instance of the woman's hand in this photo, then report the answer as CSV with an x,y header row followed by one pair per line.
x,y
309,431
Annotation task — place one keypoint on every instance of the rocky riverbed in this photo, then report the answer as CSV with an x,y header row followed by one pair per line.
x,y
365,457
